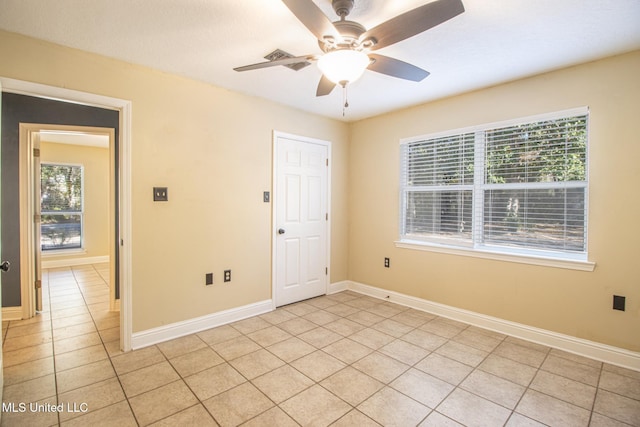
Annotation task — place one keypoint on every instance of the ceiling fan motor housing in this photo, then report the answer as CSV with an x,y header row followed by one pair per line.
x,y
342,7
349,30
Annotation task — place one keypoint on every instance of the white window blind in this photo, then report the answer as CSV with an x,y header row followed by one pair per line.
x,y
520,186
437,176
61,206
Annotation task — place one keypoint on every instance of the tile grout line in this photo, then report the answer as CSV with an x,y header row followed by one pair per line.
x,y
432,352
431,410
276,405
596,387
53,346
181,378
548,353
503,339
126,398
595,395
313,382
455,387
377,351
104,346
365,326
80,290
528,387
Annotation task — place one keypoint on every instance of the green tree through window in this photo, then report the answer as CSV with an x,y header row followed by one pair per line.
x,y
61,204
517,186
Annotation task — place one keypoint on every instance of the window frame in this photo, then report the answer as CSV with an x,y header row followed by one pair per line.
x,y
76,249
476,247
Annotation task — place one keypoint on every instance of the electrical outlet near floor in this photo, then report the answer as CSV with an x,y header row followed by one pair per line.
x,y
619,302
227,275
387,262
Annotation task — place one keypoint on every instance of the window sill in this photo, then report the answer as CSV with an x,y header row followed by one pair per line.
x,y
62,252
571,264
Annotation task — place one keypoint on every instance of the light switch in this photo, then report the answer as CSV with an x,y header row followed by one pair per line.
x,y
160,194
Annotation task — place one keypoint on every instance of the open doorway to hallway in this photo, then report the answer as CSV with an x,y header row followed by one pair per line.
x,y
42,107
70,182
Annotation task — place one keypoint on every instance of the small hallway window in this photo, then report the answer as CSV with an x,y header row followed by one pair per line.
x,y
61,204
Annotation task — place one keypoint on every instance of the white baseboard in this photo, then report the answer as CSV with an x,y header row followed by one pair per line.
x,y
605,353
11,313
338,287
187,327
591,349
69,262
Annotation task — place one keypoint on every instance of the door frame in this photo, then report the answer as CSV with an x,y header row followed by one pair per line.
x,y
1,341
30,259
275,194
124,191
26,183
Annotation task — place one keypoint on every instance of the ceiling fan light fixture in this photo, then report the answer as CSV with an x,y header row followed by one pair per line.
x,y
344,65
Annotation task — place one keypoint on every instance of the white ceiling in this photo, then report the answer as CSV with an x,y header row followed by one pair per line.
x,y
492,42
75,138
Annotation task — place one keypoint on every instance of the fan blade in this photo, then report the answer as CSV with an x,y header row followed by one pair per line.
x,y
396,68
413,22
313,18
325,86
283,61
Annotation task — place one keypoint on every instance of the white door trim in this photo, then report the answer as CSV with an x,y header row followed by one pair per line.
x,y
31,261
274,226
1,310
124,107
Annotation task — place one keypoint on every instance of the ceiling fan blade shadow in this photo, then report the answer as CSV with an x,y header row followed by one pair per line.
x,y
396,68
413,22
313,18
283,61
325,86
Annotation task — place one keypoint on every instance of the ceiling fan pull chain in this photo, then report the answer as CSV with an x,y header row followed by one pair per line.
x,y
344,99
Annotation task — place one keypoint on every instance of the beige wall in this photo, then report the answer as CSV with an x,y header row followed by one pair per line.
x,y
566,301
96,194
213,149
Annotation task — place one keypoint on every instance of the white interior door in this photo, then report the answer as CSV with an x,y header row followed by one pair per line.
x,y
37,218
301,220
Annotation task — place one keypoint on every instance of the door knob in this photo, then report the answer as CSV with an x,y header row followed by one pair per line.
x,y
5,266
281,231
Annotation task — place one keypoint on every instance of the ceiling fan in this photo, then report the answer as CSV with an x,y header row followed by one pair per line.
x,y
347,45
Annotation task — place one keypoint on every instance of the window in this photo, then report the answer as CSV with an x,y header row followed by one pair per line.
x,y
61,206
518,187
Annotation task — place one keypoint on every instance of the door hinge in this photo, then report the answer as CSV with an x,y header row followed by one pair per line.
x,y
326,216
38,284
37,218
327,162
326,270
36,152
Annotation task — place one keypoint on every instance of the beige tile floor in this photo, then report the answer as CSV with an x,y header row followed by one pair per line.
x,y
341,360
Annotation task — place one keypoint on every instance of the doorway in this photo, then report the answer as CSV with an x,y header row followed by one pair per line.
x,y
36,103
68,194
301,218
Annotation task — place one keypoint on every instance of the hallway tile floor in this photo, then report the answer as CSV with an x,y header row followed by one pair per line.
x,y
343,360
